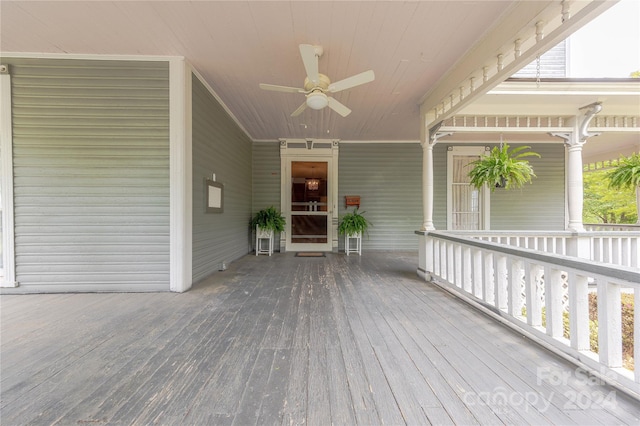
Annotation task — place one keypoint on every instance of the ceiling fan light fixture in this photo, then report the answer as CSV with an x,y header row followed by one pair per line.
x,y
317,100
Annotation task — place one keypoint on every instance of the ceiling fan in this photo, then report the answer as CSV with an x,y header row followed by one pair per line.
x,y
316,85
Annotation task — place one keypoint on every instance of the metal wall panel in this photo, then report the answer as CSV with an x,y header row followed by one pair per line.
x,y
388,179
539,206
91,165
220,147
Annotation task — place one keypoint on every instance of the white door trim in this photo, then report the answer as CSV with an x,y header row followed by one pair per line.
x,y
484,192
309,150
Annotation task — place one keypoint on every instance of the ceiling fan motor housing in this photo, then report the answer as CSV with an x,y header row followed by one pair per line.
x,y
323,84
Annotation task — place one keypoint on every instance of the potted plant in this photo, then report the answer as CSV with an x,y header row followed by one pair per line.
x,y
503,168
627,175
268,221
354,224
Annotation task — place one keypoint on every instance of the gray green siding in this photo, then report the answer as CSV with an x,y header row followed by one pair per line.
x,y
539,206
220,147
91,167
266,179
266,175
388,178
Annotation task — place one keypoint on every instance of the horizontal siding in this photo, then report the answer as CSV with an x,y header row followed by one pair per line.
x,y
388,178
266,179
537,206
553,64
91,165
220,147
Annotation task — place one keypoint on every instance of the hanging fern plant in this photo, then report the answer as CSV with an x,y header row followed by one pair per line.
x,y
626,175
503,168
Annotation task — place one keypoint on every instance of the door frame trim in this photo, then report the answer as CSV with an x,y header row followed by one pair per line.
x,y
310,150
485,209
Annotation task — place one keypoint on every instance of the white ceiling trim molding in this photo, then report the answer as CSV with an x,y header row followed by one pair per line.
x,y
219,100
507,47
89,56
382,142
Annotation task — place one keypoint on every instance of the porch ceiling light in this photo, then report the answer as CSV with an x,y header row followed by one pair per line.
x,y
317,100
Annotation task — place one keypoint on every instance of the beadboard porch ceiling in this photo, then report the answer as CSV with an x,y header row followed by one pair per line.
x,y
235,45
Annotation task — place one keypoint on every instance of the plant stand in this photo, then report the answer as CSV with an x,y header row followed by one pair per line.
x,y
358,244
261,236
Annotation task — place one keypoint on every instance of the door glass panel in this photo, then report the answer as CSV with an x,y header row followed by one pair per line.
x,y
465,198
309,202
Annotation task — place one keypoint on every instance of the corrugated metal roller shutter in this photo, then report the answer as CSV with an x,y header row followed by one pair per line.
x,y
388,178
91,164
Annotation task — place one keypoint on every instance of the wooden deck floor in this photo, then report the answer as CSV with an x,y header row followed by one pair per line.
x,y
286,340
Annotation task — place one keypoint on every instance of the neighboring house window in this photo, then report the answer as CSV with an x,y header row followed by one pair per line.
x,y
467,207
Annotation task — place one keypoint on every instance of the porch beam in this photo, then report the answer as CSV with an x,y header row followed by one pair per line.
x,y
510,45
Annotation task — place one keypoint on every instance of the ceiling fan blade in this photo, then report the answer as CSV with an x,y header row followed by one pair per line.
x,y
338,107
356,80
310,61
299,110
276,88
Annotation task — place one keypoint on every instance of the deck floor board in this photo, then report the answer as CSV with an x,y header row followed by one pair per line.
x,y
285,340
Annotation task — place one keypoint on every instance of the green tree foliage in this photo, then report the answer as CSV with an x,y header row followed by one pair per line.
x,y
605,205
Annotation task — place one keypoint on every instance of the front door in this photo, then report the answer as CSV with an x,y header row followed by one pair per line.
x,y
309,207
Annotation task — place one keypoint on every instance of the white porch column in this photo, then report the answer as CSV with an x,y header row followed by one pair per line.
x,y
427,186
575,187
428,141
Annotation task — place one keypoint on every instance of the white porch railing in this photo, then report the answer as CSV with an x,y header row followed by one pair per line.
x,y
502,280
611,227
620,248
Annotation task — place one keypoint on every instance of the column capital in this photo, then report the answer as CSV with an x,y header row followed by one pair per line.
x,y
434,135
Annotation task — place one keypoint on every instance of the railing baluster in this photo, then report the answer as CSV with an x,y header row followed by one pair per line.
x,y
534,305
458,265
489,279
609,324
553,301
500,273
578,311
466,270
452,261
477,273
514,307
